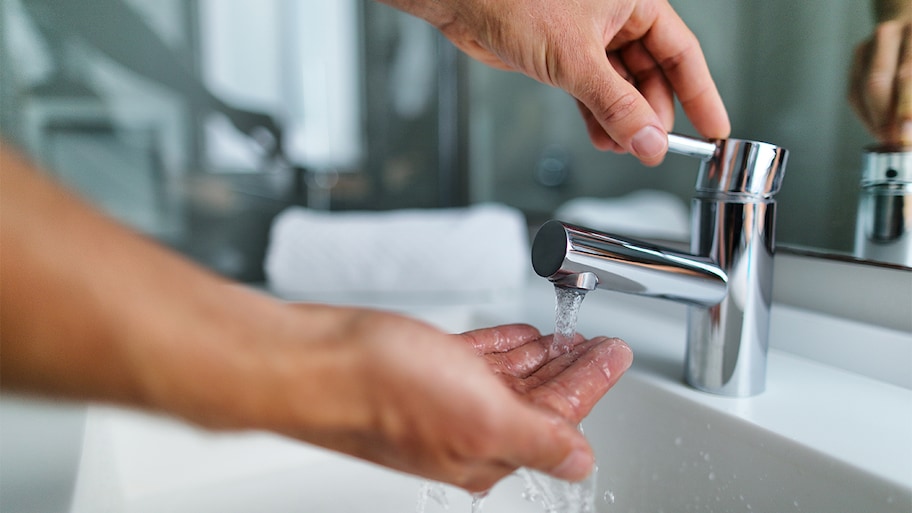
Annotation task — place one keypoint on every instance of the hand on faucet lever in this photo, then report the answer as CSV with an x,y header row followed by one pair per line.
x,y
624,61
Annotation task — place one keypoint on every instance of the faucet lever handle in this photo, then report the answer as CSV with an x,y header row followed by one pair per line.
x,y
734,166
691,147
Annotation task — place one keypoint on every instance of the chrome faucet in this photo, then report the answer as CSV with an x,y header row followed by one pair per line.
x,y
726,279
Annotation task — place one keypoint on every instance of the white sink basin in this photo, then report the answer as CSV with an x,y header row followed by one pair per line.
x,y
820,439
660,454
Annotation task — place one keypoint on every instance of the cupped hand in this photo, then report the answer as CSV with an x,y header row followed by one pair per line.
x,y
464,409
623,60
880,85
568,383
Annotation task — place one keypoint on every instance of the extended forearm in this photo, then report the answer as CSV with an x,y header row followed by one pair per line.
x,y
82,297
90,310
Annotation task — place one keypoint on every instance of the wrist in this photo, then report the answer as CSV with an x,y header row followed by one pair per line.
x,y
433,12
247,361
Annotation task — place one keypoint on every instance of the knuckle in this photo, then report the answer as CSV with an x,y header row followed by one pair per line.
x,y
621,107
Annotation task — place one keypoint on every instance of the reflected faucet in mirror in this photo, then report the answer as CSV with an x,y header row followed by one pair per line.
x,y
880,93
726,279
883,227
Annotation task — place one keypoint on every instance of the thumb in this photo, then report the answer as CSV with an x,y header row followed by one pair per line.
x,y
624,114
549,444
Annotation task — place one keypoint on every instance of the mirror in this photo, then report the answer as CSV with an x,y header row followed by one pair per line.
x,y
415,125
782,68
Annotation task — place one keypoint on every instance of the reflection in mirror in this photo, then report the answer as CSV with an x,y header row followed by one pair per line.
x,y
782,68
191,123
880,92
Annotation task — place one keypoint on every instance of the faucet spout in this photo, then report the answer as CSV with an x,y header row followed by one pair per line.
x,y
726,279
561,252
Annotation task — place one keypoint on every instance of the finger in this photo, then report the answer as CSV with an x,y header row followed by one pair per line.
x,y
597,134
574,391
622,112
677,52
500,339
549,444
558,360
903,119
522,361
650,80
599,137
617,62
856,83
878,88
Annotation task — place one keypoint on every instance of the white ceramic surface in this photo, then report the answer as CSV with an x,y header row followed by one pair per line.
x,y
40,448
822,438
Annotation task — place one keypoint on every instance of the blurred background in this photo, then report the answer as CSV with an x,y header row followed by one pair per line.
x,y
197,121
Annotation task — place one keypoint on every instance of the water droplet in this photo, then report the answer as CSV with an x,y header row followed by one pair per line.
x,y
678,441
609,497
706,456
477,500
557,496
431,490
712,476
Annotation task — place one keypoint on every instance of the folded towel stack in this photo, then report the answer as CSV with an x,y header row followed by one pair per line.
x,y
478,250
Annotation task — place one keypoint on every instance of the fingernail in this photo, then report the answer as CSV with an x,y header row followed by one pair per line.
x,y
575,467
649,142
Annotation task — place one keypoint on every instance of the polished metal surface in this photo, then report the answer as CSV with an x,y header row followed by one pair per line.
x,y
883,227
563,252
691,147
743,167
726,279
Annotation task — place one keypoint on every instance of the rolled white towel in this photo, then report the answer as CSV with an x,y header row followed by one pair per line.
x,y
645,213
478,250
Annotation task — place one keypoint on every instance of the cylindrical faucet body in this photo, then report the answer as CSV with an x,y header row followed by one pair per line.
x,y
726,280
883,229
728,341
734,222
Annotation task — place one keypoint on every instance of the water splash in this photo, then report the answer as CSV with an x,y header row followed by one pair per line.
x,y
558,496
566,313
432,490
554,495
478,501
